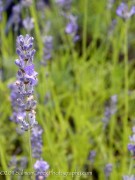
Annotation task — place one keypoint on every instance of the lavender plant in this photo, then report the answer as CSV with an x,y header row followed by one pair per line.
x,y
23,101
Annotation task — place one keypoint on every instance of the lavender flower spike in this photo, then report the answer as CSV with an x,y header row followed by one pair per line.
x,y
26,80
124,12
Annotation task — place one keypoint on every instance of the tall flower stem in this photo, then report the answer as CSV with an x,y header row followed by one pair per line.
x,y
126,103
85,28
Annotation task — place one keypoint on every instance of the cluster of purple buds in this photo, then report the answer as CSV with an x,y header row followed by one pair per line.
x,y
131,177
1,9
108,170
64,4
36,141
124,12
110,110
41,167
131,146
23,88
28,24
48,47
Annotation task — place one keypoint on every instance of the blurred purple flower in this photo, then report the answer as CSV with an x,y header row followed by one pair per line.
x,y
131,177
48,47
124,12
92,156
108,169
28,24
72,27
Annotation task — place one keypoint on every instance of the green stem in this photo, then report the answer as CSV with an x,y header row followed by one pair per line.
x,y
85,28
